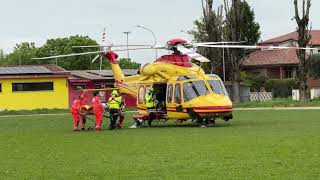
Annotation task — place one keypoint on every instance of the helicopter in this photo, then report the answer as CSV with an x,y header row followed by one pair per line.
x,y
182,89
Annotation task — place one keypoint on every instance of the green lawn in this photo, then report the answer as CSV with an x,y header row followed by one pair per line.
x,y
278,102
255,145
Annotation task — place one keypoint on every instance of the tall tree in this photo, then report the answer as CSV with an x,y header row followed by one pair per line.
x,y
62,46
239,26
209,29
126,63
22,54
303,41
2,57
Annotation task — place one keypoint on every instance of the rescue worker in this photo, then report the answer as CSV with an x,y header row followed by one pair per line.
x,y
97,110
82,116
114,108
121,118
75,110
150,105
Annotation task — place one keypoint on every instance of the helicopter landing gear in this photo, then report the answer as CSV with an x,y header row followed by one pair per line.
x,y
206,122
227,118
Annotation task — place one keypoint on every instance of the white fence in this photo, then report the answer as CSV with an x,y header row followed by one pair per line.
x,y
314,93
261,96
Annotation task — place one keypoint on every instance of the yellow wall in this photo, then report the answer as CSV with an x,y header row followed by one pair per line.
x,y
58,98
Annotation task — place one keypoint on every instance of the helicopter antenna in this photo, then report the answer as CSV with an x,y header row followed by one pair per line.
x,y
103,43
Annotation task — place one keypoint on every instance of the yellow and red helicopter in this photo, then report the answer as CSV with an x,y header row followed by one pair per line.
x,y
182,89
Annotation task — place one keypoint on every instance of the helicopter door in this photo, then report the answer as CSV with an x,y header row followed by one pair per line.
x,y
160,95
178,97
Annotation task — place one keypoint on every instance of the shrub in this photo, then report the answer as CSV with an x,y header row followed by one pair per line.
x,y
256,82
281,88
314,66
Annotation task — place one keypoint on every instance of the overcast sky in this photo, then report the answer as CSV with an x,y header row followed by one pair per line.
x,y
38,20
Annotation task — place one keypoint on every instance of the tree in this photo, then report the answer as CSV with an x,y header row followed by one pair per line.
x,y
126,63
22,54
2,57
303,40
209,29
62,46
314,66
239,26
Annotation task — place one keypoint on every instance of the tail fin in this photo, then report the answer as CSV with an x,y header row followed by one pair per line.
x,y
117,72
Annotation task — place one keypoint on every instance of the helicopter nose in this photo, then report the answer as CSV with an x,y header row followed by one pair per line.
x,y
211,103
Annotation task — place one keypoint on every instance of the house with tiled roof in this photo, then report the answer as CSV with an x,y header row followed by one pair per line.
x,y
96,79
278,63
33,87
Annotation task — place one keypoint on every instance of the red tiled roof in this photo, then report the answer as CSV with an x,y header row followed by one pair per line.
x,y
54,68
315,39
271,57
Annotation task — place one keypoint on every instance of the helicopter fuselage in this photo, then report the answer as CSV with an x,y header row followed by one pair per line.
x,y
182,89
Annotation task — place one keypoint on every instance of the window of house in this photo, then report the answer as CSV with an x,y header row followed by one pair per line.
x,y
97,86
39,86
255,73
170,93
288,73
0,88
79,86
177,93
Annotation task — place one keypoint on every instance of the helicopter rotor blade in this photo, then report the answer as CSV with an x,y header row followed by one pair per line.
x,y
256,47
94,59
95,52
101,46
157,46
214,43
192,54
69,55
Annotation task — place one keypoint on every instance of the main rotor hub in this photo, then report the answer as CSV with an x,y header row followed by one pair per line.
x,y
174,42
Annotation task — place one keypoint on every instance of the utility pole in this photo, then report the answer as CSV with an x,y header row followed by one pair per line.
x,y
154,36
127,34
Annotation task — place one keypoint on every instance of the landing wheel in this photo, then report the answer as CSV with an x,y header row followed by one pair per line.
x,y
202,122
212,122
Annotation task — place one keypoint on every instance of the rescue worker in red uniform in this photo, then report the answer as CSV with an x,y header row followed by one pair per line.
x,y
75,109
97,110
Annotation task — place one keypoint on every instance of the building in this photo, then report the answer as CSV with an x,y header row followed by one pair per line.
x,y
280,63
33,87
95,79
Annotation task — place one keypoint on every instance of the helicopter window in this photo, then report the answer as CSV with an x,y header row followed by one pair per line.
x,y
218,87
141,95
170,92
182,78
177,93
194,89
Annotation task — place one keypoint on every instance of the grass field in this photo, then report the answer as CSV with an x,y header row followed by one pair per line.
x,y
278,102
255,145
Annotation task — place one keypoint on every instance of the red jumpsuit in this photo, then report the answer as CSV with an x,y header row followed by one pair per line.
x,y
75,109
97,111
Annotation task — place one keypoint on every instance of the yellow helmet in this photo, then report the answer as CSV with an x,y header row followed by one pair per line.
x,y
114,92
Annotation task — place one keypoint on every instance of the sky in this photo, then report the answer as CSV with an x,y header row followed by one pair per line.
x,y
38,20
